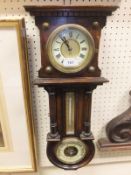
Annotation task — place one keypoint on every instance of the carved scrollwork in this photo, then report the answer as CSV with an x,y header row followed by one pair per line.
x,y
119,129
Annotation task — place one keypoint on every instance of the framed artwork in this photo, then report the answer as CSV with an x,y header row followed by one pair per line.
x,y
17,147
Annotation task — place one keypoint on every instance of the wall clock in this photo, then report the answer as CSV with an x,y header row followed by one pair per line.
x,y
69,38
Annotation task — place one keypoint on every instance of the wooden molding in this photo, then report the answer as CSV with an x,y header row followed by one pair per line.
x,y
75,10
104,144
70,81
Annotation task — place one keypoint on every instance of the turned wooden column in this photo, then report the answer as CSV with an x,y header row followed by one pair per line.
x,y
53,114
87,113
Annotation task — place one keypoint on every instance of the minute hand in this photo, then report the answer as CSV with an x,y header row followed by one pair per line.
x,y
66,42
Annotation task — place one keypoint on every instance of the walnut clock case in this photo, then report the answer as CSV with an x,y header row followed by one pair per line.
x,y
69,38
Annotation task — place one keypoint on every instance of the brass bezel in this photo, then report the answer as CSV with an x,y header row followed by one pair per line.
x,y
84,63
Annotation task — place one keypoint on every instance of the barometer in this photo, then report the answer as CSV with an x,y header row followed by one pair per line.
x,y
70,38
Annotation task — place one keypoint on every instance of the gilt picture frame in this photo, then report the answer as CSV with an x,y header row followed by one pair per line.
x,y
17,142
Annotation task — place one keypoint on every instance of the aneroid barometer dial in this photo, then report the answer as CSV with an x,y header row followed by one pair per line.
x,y
70,48
70,150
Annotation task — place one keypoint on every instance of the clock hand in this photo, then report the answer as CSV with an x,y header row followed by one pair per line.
x,y
66,42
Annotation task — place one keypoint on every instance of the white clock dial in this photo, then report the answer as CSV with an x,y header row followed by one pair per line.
x,y
70,48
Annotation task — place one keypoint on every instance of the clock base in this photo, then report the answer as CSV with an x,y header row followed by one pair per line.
x,y
70,153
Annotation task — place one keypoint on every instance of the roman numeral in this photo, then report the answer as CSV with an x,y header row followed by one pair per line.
x,y
77,36
58,55
82,41
84,48
58,42
57,49
62,61
82,56
70,34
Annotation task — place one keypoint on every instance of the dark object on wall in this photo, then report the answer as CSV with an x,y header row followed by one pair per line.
x,y
118,131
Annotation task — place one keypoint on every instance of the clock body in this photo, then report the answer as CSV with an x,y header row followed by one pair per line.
x,y
72,23
70,39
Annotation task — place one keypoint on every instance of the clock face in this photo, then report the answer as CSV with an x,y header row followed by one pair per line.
x,y
70,150
70,48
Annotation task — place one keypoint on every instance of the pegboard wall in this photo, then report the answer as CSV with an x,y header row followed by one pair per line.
x,y
110,99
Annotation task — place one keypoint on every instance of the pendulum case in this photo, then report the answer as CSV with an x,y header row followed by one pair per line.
x,y
70,134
